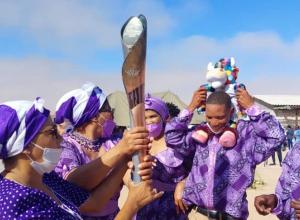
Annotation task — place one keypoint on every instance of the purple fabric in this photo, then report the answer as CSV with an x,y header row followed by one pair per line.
x,y
73,156
170,169
158,105
65,111
34,121
80,105
288,186
220,176
10,123
22,202
91,109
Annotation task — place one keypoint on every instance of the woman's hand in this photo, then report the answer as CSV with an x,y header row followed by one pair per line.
x,y
134,140
179,204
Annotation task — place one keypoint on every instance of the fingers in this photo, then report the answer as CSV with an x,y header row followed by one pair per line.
x,y
158,195
182,206
296,205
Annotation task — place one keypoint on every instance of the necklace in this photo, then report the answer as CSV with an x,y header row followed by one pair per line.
x,y
92,146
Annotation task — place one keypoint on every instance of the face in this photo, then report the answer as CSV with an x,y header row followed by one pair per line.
x,y
217,116
152,117
47,137
104,114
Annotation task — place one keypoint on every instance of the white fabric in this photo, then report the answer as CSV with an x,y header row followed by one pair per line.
x,y
82,96
15,143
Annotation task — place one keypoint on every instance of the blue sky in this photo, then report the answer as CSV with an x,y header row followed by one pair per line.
x,y
49,47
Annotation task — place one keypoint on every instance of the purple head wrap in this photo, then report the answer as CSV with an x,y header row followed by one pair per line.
x,y
158,105
80,105
20,121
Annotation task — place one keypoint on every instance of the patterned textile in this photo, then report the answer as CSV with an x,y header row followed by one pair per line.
x,y
170,169
22,202
20,121
73,156
288,186
220,176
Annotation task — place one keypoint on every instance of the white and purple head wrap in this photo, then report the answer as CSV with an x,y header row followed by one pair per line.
x,y
80,105
158,105
20,121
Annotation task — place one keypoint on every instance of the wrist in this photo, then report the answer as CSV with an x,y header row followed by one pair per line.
x,y
191,108
131,205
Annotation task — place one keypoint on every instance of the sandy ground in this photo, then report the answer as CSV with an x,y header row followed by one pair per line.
x,y
264,173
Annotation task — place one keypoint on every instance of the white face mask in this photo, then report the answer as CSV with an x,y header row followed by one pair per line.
x,y
51,157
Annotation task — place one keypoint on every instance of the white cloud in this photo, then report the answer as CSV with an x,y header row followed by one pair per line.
x,y
50,79
66,25
268,65
179,67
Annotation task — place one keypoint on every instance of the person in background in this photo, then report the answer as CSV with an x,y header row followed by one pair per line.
x,y
170,167
173,110
285,203
279,155
289,136
297,134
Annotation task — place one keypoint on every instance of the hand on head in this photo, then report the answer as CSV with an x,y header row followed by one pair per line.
x,y
199,98
264,204
244,99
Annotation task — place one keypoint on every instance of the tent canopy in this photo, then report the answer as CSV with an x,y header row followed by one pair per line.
x,y
119,104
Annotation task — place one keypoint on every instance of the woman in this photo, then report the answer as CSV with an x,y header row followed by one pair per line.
x,y
30,149
169,169
88,116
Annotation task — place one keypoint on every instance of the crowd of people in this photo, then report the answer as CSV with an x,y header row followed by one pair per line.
x,y
74,165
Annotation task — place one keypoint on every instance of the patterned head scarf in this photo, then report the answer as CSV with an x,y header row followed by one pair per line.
x,y
20,121
158,105
80,105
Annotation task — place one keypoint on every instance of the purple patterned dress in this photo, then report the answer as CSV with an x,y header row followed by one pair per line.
x,y
170,169
22,202
288,186
220,176
73,156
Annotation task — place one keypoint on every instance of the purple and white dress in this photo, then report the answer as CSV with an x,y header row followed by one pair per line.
x,y
170,169
73,156
288,186
21,202
220,176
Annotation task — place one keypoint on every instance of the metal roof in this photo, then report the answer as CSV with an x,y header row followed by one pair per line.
x,y
280,100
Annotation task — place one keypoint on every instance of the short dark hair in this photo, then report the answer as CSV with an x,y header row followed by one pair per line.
x,y
220,98
173,109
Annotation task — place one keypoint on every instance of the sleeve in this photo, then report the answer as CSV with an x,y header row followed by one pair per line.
x,y
288,186
69,160
265,135
65,190
179,136
170,167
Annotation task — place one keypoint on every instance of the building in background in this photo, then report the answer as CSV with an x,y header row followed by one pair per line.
x,y
286,108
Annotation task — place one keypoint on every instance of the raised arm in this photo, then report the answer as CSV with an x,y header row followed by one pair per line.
x,y
263,130
177,133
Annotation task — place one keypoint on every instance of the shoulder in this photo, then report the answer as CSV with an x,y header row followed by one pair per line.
x,y
18,198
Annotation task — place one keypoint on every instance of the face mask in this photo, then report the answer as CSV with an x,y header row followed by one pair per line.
x,y
107,128
215,132
50,159
155,129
